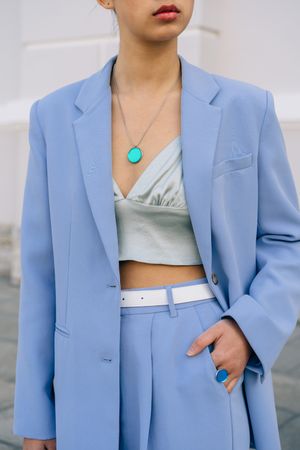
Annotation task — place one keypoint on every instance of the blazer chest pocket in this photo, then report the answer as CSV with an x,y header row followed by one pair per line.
x,y
232,164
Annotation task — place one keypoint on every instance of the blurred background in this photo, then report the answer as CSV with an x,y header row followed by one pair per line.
x,y
47,44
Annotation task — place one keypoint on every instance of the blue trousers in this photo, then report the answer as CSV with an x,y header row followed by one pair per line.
x,y
171,401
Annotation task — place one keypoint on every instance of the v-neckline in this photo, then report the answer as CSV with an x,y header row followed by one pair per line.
x,y
145,171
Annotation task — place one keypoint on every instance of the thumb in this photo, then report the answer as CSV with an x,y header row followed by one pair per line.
x,y
202,341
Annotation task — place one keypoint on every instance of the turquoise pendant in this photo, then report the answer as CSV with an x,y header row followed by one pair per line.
x,y
134,155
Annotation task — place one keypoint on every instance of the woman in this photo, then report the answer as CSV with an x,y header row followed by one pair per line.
x,y
160,216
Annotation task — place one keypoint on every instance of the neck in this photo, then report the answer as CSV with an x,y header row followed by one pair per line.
x,y
146,72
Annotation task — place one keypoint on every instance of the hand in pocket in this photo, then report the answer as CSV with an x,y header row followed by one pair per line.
x,y
231,348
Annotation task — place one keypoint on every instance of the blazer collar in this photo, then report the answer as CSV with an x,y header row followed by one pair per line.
x,y
195,80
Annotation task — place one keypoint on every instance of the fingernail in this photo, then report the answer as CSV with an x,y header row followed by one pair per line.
x,y
190,352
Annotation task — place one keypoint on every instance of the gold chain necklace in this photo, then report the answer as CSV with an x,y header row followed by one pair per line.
x,y
135,153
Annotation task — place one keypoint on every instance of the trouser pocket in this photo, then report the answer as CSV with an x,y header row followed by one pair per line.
x,y
208,314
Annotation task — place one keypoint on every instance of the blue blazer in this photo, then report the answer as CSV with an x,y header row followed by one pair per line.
x,y
245,213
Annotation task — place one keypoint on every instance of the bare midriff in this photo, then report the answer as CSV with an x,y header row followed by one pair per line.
x,y
136,274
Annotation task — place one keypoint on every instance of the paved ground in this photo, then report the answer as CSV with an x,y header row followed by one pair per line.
x,y
286,376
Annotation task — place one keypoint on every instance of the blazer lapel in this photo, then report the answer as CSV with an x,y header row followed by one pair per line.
x,y
200,122
93,136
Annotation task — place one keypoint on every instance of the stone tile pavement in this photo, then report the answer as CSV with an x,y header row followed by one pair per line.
x,y
286,376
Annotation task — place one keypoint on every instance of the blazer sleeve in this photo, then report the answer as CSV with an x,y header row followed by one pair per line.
x,y
268,313
34,411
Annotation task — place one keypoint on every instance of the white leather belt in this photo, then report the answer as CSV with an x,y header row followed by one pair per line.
x,y
152,297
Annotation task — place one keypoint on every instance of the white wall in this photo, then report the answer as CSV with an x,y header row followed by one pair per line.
x,y
9,49
259,42
9,82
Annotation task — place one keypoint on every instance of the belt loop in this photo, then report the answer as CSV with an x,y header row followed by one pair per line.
x,y
172,307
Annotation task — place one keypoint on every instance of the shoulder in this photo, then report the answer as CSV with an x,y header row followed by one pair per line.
x,y
241,99
62,97
235,97
241,89
59,104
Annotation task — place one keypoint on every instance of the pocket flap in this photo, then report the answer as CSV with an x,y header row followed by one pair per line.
x,y
231,164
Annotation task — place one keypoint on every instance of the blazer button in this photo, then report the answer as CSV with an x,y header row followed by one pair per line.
x,y
106,359
214,278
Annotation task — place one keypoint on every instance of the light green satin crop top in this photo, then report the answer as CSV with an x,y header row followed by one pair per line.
x,y
153,221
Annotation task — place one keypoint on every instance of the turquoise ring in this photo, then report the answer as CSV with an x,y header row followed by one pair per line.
x,y
222,375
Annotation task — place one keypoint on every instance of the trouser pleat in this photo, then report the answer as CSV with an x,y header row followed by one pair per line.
x,y
136,381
